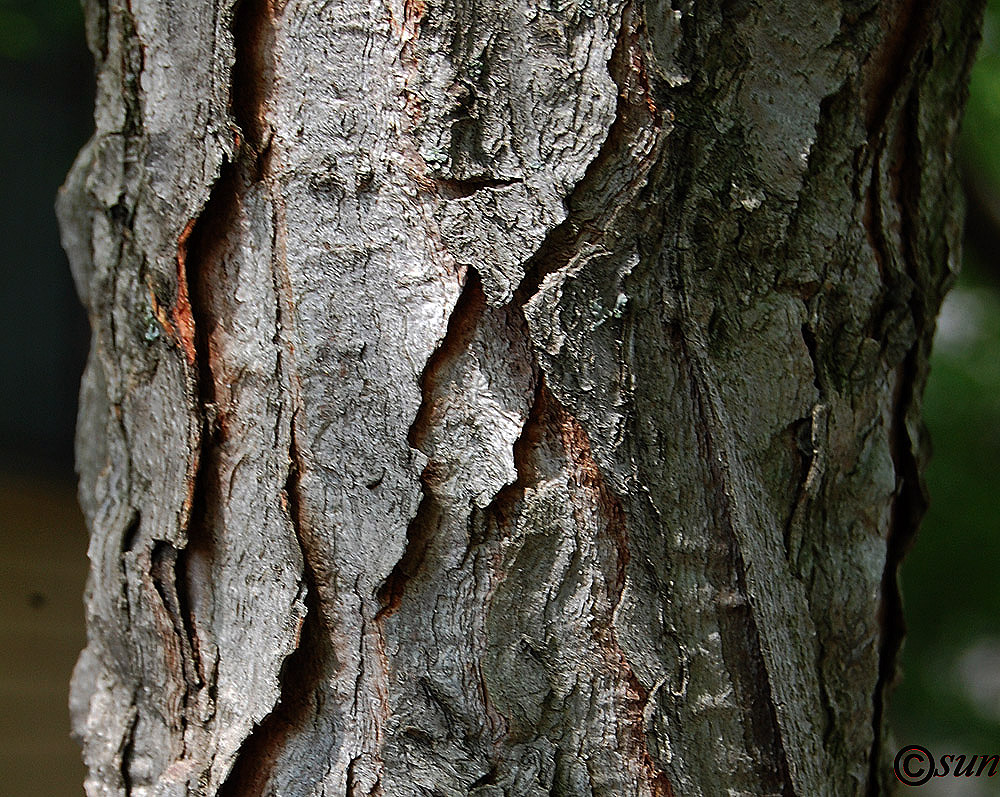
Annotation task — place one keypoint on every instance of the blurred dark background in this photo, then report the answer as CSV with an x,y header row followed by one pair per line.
x,y
46,91
47,95
949,696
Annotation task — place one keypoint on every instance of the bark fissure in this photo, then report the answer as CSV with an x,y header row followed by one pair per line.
x,y
302,671
594,203
165,570
183,327
502,508
418,532
808,441
462,324
614,179
587,473
607,192
736,615
910,501
888,121
128,747
889,68
201,271
459,189
253,70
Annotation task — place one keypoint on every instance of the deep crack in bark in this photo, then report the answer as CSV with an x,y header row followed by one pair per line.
x,y
201,258
609,185
462,323
633,143
910,501
301,675
742,647
891,122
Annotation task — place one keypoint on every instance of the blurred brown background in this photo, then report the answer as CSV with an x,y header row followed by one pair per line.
x,y
46,94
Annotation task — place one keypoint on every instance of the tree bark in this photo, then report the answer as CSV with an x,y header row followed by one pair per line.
x,y
493,399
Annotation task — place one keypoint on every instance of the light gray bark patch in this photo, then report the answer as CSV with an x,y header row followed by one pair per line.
x,y
348,246
553,661
483,362
477,389
514,92
368,301
496,230
510,93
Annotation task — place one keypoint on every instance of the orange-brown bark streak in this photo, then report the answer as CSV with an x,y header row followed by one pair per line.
x,y
595,502
181,311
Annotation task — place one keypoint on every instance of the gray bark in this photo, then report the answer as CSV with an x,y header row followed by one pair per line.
x,y
493,399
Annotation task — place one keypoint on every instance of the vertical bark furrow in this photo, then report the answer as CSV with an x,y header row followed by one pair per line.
x,y
911,204
128,745
614,177
302,672
462,326
165,570
746,659
253,72
367,300
200,271
477,390
552,661
225,323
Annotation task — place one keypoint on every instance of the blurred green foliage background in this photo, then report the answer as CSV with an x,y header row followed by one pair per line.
x,y
31,29
948,698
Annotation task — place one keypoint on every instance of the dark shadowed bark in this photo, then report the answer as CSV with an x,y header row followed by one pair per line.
x,y
505,399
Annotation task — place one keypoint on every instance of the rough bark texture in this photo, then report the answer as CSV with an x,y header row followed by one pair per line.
x,y
492,399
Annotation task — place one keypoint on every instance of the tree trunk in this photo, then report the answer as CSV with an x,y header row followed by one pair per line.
x,y
493,399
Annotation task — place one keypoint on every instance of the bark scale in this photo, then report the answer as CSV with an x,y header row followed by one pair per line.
x,y
505,400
